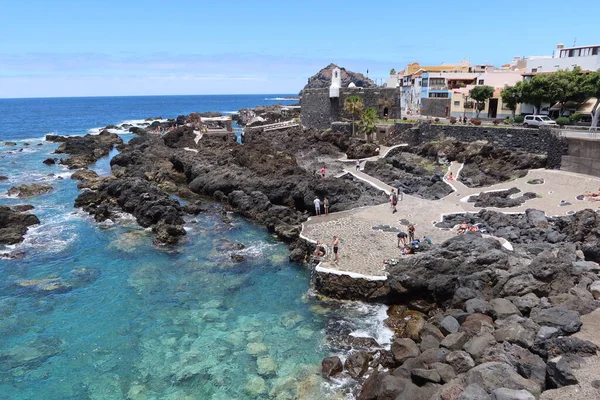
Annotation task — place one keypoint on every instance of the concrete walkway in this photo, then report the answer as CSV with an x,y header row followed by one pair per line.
x,y
368,234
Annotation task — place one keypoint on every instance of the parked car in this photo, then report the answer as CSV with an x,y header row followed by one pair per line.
x,y
537,120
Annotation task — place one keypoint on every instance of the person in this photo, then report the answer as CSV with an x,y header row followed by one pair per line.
x,y
323,171
394,200
450,177
463,228
317,202
391,199
402,238
426,240
411,233
318,251
336,245
358,165
326,205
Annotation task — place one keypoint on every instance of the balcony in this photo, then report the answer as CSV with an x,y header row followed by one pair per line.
x,y
438,87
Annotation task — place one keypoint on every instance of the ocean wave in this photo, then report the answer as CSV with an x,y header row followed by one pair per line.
x,y
281,98
256,249
369,321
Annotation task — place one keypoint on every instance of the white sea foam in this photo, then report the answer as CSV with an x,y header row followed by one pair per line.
x,y
281,98
370,319
256,249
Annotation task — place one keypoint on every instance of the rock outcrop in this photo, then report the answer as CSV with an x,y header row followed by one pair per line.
x,y
14,223
322,79
85,150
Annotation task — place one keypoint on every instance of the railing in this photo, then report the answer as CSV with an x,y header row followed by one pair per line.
x,y
438,87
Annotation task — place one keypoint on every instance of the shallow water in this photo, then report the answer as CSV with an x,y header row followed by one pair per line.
x,y
115,317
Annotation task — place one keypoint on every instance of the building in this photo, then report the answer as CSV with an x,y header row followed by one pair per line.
x,y
566,58
463,106
563,58
321,107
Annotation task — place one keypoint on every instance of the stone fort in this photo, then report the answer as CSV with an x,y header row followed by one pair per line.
x,y
321,107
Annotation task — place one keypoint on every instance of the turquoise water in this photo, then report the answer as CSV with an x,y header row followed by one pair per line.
x,y
145,322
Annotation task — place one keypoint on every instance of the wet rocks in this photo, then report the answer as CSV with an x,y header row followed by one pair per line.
x,y
331,366
30,190
85,150
357,364
149,205
50,161
14,224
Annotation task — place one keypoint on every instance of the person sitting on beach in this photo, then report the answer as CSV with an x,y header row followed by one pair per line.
x,y
426,240
450,177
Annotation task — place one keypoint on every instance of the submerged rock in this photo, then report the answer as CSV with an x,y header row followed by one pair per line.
x,y
30,190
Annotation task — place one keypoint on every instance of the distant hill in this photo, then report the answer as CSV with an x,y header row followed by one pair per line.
x,y
322,79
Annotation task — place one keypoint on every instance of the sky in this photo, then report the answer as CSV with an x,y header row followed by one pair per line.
x,y
57,48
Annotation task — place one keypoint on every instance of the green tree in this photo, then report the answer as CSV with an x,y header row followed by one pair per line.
x,y
481,94
565,86
591,88
393,71
354,106
537,91
367,123
512,96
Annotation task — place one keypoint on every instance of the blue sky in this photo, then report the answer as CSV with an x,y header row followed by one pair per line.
x,y
131,47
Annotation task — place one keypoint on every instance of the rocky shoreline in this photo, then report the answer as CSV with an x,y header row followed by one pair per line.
x,y
471,319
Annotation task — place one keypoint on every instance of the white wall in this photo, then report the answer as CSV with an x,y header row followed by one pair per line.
x,y
550,64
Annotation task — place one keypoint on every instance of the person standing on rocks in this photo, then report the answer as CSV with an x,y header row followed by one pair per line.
x,y
394,200
317,202
323,171
326,205
411,233
335,244
358,165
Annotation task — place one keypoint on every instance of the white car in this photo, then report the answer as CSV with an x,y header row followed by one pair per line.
x,y
537,120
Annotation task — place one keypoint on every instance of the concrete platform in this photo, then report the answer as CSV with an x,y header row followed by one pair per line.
x,y
364,244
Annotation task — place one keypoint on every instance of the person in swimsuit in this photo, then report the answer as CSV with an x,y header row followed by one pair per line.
x,y
411,233
326,205
323,171
394,201
358,165
317,202
335,244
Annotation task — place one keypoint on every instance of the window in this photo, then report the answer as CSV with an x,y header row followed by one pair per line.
x,y
595,51
544,119
469,104
457,103
572,53
533,69
563,53
425,82
480,82
439,95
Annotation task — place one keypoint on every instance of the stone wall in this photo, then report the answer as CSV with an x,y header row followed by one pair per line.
x,y
582,156
436,107
539,141
319,110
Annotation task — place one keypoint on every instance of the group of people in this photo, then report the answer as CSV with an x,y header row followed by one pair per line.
x,y
317,203
410,244
464,227
592,196
320,250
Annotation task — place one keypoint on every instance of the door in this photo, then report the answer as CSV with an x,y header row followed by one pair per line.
x,y
492,108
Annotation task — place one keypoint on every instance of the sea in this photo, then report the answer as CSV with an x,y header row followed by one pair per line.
x,y
137,321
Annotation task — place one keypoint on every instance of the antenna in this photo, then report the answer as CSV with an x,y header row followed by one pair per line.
x,y
574,41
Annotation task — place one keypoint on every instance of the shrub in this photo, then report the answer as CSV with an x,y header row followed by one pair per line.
x,y
507,121
404,118
475,121
496,121
562,121
519,119
576,117
437,119
452,120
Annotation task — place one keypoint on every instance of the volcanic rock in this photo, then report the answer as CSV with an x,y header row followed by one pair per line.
x,y
30,190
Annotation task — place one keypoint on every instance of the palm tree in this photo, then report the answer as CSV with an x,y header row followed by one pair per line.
x,y
367,123
353,105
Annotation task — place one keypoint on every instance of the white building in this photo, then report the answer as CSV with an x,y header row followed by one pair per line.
x,y
585,57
